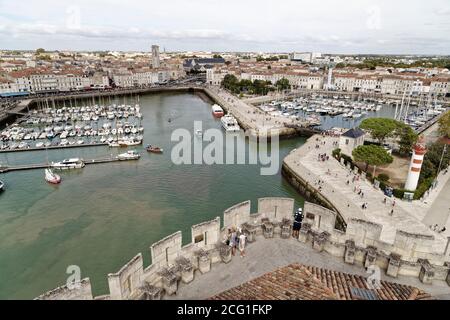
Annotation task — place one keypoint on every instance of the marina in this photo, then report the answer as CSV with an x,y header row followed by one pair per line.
x,y
326,112
57,127
99,215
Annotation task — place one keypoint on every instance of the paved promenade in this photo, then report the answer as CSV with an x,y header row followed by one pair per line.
x,y
338,185
252,116
283,252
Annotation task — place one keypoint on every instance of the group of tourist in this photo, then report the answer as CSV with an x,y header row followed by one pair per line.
x,y
437,229
323,157
236,239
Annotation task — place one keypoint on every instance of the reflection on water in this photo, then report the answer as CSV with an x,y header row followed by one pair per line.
x,y
102,215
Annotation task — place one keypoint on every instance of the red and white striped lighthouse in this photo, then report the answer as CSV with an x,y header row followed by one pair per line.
x,y
415,166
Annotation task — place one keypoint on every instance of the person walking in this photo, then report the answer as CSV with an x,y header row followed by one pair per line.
x,y
242,242
233,237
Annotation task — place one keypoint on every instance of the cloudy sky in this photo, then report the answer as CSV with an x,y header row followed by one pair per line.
x,y
329,26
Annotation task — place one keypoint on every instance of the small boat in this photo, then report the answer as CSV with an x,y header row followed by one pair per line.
x,y
129,155
154,149
51,177
74,163
199,133
2,186
217,111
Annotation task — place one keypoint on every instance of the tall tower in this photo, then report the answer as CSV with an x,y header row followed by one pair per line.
x,y
155,56
415,166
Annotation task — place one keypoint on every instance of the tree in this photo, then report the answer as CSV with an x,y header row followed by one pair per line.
x,y
444,125
372,155
40,51
381,128
407,138
283,84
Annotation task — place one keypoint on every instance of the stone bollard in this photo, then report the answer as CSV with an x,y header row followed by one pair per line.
x,y
268,230
319,241
286,229
371,256
204,262
225,252
250,231
276,225
426,274
394,265
186,269
151,292
447,264
303,233
169,281
349,256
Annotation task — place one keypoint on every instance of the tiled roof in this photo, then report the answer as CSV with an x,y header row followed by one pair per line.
x,y
353,133
301,282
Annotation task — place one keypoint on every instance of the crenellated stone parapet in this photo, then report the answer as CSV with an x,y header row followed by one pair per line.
x,y
174,263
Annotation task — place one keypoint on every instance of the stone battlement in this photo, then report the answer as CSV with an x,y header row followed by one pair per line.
x,y
172,263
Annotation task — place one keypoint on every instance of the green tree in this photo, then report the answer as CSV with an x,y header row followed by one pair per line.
x,y
444,125
372,155
381,128
283,84
408,137
40,51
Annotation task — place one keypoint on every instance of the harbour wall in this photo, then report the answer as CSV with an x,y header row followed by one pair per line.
x,y
173,262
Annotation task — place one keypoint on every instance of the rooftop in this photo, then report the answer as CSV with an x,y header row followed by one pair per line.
x,y
354,133
300,282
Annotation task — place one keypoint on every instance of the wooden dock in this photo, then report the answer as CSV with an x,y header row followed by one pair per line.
x,y
46,165
56,147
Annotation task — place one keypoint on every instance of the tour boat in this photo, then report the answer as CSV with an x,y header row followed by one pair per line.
x,y
51,177
2,185
154,149
229,123
74,163
217,111
130,155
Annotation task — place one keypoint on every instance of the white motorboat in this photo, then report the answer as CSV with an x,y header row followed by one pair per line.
x,y
51,177
73,163
130,155
217,111
39,145
229,123
2,186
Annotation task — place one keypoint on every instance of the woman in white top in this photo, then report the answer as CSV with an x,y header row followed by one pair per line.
x,y
242,241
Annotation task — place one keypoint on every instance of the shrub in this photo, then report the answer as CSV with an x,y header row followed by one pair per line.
x,y
398,193
382,185
336,153
383,177
422,188
347,158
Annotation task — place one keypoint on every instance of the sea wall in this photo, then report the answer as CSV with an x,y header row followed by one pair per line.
x,y
172,263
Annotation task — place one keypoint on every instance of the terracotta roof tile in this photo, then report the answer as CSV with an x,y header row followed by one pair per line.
x,y
301,282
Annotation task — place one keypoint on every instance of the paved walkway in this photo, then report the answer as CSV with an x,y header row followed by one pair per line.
x,y
252,116
266,255
343,196
439,211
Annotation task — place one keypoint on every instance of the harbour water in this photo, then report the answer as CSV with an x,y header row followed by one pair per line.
x,y
103,215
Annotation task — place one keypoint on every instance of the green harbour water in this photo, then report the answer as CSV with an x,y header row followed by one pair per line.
x,y
103,215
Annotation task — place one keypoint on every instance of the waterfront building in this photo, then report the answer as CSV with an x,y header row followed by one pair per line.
x,y
350,140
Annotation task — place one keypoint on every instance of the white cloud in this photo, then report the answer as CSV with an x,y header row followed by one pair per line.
x,y
354,26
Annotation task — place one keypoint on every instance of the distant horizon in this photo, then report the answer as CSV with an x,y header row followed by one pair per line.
x,y
234,52
358,27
